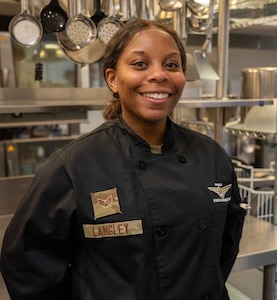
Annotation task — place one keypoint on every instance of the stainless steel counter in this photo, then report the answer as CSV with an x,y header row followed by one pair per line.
x,y
258,247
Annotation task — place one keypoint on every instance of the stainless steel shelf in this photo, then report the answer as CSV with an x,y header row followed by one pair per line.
x,y
38,123
41,139
25,100
213,103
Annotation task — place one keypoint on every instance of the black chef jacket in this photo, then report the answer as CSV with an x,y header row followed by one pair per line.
x,y
106,219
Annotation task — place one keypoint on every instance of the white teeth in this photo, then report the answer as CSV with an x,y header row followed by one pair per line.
x,y
156,95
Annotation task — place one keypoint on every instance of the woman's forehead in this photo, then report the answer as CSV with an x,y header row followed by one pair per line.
x,y
153,36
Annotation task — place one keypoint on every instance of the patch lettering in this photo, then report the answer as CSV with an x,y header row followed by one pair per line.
x,y
113,229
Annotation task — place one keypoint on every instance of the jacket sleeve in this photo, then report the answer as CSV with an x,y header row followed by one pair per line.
x,y
232,231
37,246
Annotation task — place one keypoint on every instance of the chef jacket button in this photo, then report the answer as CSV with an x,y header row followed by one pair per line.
x,y
181,159
141,165
161,231
205,296
202,225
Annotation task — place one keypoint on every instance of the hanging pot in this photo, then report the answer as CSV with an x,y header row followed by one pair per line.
x,y
25,29
53,17
258,83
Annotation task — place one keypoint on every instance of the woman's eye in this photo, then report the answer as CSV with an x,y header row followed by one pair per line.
x,y
172,65
139,64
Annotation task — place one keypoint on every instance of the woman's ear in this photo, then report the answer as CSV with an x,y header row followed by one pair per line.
x,y
111,79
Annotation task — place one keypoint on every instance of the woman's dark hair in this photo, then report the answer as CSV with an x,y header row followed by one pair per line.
x,y
118,43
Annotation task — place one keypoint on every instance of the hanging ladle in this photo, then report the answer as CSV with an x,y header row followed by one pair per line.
x,y
53,17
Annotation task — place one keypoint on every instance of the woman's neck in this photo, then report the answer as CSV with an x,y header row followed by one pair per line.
x,y
152,132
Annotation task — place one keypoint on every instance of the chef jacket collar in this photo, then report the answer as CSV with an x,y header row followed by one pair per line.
x,y
172,137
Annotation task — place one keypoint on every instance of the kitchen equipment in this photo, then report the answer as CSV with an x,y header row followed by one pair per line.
x,y
107,27
170,5
197,8
180,22
205,69
165,17
39,66
86,55
53,17
191,70
25,156
25,29
198,24
4,72
4,77
260,83
151,10
80,29
258,123
133,9
125,13
98,13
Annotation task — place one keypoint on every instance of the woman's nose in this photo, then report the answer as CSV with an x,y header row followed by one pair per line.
x,y
158,74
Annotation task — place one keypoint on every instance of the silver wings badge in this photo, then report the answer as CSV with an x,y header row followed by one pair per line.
x,y
220,190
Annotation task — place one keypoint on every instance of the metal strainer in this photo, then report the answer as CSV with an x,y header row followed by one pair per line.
x,y
25,29
107,27
80,29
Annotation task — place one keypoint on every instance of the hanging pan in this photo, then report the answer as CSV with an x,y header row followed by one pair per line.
x,y
205,69
53,17
25,29
107,27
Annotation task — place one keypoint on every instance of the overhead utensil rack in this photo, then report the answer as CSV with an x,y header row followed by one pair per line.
x,y
245,13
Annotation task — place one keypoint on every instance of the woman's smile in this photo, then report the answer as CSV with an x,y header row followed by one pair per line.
x,y
156,97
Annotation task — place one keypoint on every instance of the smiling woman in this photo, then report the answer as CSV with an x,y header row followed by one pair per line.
x,y
134,203
149,83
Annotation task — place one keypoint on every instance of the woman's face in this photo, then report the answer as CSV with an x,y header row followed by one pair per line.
x,y
148,78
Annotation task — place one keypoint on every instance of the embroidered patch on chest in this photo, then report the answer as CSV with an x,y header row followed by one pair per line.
x,y
117,229
221,191
105,203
